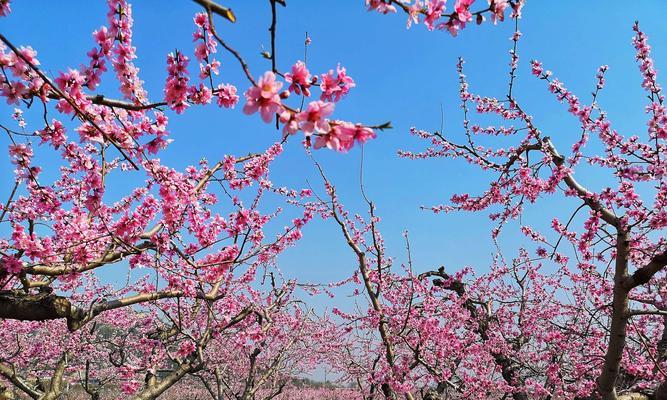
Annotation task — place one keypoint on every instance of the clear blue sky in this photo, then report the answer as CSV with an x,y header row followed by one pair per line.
x,y
402,76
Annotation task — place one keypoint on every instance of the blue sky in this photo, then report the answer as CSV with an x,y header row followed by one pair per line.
x,y
402,76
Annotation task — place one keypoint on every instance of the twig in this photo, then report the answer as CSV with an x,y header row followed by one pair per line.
x,y
76,108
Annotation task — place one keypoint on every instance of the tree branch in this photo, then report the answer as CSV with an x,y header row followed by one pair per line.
x,y
216,8
644,274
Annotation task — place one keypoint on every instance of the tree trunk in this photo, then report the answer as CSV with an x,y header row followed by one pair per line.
x,y
619,321
38,307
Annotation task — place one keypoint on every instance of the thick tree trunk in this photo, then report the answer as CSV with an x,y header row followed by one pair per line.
x,y
55,385
39,307
634,396
619,321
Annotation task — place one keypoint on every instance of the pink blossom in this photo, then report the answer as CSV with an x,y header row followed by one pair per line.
x,y
13,91
498,10
462,8
54,134
12,265
434,10
362,133
95,69
290,123
343,135
186,348
314,117
120,30
103,39
339,138
207,44
5,9
381,6
335,88
201,20
299,79
200,95
130,387
264,97
226,94
201,51
536,67
17,115
18,65
413,13
176,89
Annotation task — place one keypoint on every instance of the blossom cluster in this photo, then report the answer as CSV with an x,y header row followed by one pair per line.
x,y
434,15
267,99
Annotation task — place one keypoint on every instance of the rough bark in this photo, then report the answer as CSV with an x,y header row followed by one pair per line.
x,y
10,374
619,321
39,307
152,392
55,389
